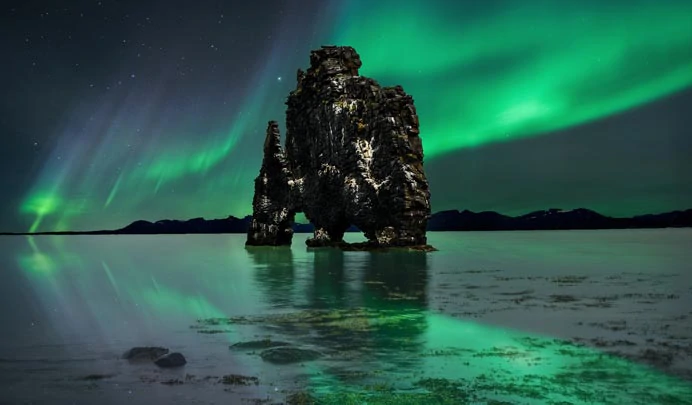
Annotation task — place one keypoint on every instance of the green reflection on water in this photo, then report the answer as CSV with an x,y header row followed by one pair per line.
x,y
385,346
369,313
167,301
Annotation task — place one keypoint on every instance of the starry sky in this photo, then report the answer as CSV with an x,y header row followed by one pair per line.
x,y
113,111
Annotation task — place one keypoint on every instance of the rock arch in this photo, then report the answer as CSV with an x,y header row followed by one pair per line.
x,y
353,155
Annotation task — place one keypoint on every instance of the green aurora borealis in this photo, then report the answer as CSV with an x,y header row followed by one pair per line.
x,y
524,70
481,73
115,111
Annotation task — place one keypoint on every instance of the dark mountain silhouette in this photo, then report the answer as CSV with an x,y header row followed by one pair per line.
x,y
553,219
453,220
196,225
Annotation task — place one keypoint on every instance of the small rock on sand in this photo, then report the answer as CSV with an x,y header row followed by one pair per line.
x,y
237,379
258,344
171,360
145,353
286,355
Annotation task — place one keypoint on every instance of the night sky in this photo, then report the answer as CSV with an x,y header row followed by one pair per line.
x,y
113,111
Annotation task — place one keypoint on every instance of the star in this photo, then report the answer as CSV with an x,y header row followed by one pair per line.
x,y
278,79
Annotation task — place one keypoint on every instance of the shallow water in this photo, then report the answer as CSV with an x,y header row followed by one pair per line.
x,y
521,317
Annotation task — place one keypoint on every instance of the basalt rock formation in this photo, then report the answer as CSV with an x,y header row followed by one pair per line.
x,y
352,157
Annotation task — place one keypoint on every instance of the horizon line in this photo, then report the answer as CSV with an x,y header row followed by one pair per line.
x,y
112,231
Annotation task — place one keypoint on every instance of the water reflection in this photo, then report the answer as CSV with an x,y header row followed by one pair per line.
x,y
274,273
328,287
395,286
114,290
366,310
370,313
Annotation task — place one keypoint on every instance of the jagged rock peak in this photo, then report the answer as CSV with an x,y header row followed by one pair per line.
x,y
334,60
272,143
271,220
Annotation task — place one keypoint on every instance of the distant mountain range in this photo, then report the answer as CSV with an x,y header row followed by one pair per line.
x,y
551,219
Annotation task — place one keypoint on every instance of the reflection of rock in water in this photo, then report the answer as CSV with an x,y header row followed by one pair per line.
x,y
328,289
394,284
384,321
274,273
396,280
375,325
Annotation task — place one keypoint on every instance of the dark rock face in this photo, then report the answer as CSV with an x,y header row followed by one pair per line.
x,y
170,360
145,353
258,344
287,355
273,210
159,355
353,157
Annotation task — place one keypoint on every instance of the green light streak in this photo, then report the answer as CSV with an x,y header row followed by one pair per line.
x,y
114,190
40,205
169,302
109,273
524,69
172,164
184,163
36,262
178,161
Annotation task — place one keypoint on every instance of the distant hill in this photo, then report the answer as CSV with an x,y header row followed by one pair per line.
x,y
551,219
196,225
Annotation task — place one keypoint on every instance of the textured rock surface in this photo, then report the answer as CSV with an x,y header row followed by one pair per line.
x,y
353,157
273,210
171,360
286,355
147,353
258,344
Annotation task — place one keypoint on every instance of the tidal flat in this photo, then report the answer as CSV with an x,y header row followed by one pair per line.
x,y
535,317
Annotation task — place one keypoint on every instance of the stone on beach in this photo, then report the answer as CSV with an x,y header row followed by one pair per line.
x,y
145,353
258,344
287,355
171,360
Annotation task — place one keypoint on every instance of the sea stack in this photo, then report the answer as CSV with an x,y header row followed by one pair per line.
x,y
353,156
